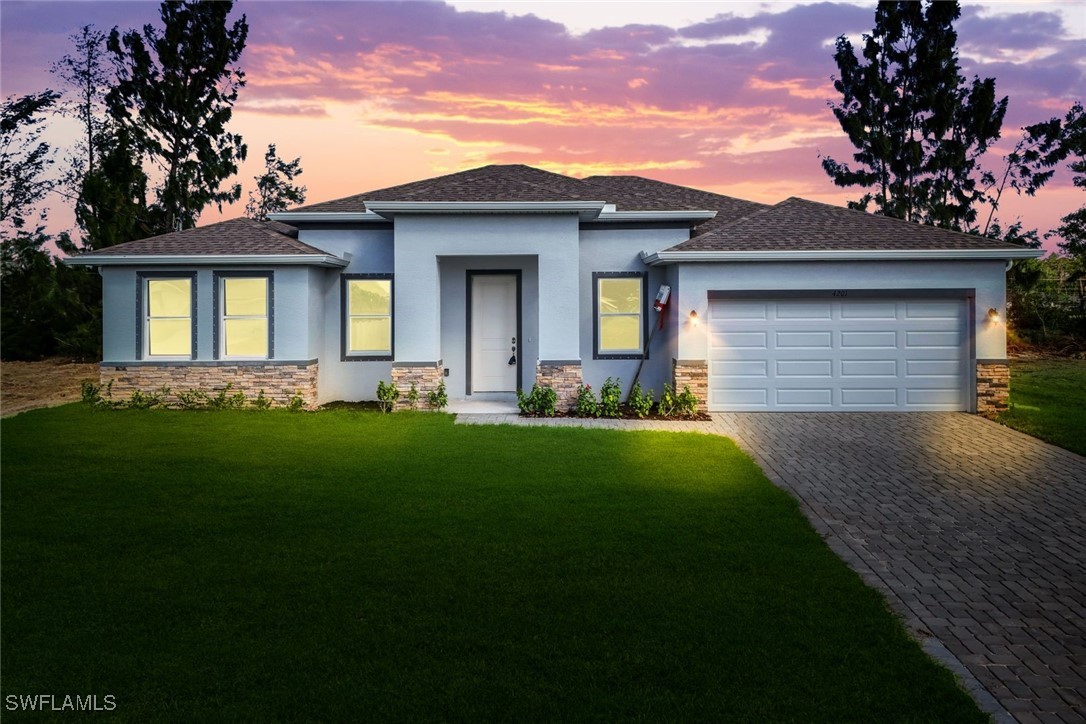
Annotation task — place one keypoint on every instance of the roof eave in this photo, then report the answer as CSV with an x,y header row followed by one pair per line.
x,y
323,260
676,215
289,217
586,210
663,258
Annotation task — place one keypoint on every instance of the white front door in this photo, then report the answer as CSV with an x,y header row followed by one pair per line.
x,y
494,345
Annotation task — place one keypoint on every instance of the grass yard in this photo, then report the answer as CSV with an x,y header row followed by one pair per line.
x,y
345,566
1048,401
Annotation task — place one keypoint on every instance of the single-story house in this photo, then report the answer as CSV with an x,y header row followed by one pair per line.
x,y
496,278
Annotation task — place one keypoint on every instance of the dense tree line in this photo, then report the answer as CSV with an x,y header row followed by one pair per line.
x,y
155,149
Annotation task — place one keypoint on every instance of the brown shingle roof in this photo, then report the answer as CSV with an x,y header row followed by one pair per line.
x,y
236,236
489,183
797,224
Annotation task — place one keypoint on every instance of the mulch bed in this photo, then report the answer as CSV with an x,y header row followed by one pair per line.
x,y
700,417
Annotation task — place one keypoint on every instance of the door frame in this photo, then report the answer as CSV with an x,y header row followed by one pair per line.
x,y
471,274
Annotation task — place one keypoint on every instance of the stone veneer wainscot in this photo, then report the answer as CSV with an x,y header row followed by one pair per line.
x,y
280,381
695,374
993,387
562,376
426,376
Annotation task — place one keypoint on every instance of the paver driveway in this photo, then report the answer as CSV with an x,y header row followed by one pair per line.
x,y
975,533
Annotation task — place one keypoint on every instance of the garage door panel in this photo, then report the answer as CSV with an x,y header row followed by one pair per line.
x,y
732,310
807,340
852,354
870,311
754,398
869,340
869,397
869,368
804,310
804,397
804,368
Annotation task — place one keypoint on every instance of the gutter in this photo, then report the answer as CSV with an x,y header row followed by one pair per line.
x,y
325,260
634,216
586,210
328,216
663,258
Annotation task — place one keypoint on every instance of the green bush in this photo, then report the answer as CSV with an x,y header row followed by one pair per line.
x,y
541,401
439,398
413,397
226,401
640,403
261,402
387,394
141,400
297,404
611,398
687,402
586,404
668,402
192,400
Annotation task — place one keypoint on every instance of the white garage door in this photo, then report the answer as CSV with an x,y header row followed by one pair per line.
x,y
838,354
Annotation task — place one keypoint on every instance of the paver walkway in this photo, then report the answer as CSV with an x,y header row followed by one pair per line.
x,y
975,533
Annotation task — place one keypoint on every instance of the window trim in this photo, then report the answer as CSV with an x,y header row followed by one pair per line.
x,y
346,355
142,314
218,310
596,277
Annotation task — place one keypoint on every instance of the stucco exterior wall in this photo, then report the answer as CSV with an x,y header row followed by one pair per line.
x,y
291,292
618,250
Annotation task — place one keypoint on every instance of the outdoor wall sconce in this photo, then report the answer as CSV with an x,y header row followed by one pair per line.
x,y
693,318
993,316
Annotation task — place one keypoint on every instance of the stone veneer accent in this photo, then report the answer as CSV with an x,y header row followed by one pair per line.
x,y
279,381
993,387
562,376
426,376
694,373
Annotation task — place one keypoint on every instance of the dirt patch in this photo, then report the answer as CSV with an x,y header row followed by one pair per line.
x,y
30,385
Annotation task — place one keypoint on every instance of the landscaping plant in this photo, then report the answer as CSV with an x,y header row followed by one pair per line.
x,y
640,403
387,394
439,398
413,397
611,398
586,404
668,402
687,402
542,401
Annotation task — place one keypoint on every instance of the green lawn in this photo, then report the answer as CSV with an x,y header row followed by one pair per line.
x,y
1048,400
339,566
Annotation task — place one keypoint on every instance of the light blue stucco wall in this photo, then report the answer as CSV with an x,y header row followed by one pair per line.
x,y
370,251
617,250
292,292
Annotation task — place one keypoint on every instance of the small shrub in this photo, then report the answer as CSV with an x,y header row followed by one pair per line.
x,y
225,401
261,402
640,403
687,402
439,398
296,404
90,393
611,398
192,400
387,394
668,402
586,404
141,400
413,397
541,401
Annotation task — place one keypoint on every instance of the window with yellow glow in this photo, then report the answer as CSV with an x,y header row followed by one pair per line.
x,y
169,317
619,325
369,317
244,317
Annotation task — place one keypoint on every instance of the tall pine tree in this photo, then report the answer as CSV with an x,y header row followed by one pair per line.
x,y
175,93
919,128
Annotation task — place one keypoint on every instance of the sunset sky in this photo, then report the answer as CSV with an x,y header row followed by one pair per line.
x,y
730,97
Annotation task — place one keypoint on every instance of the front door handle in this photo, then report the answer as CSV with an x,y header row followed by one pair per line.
x,y
513,359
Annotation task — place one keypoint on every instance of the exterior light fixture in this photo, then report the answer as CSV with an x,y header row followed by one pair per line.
x,y
993,316
693,317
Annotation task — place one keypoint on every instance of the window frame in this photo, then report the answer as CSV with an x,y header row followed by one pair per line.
x,y
346,355
218,309
596,277
143,311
